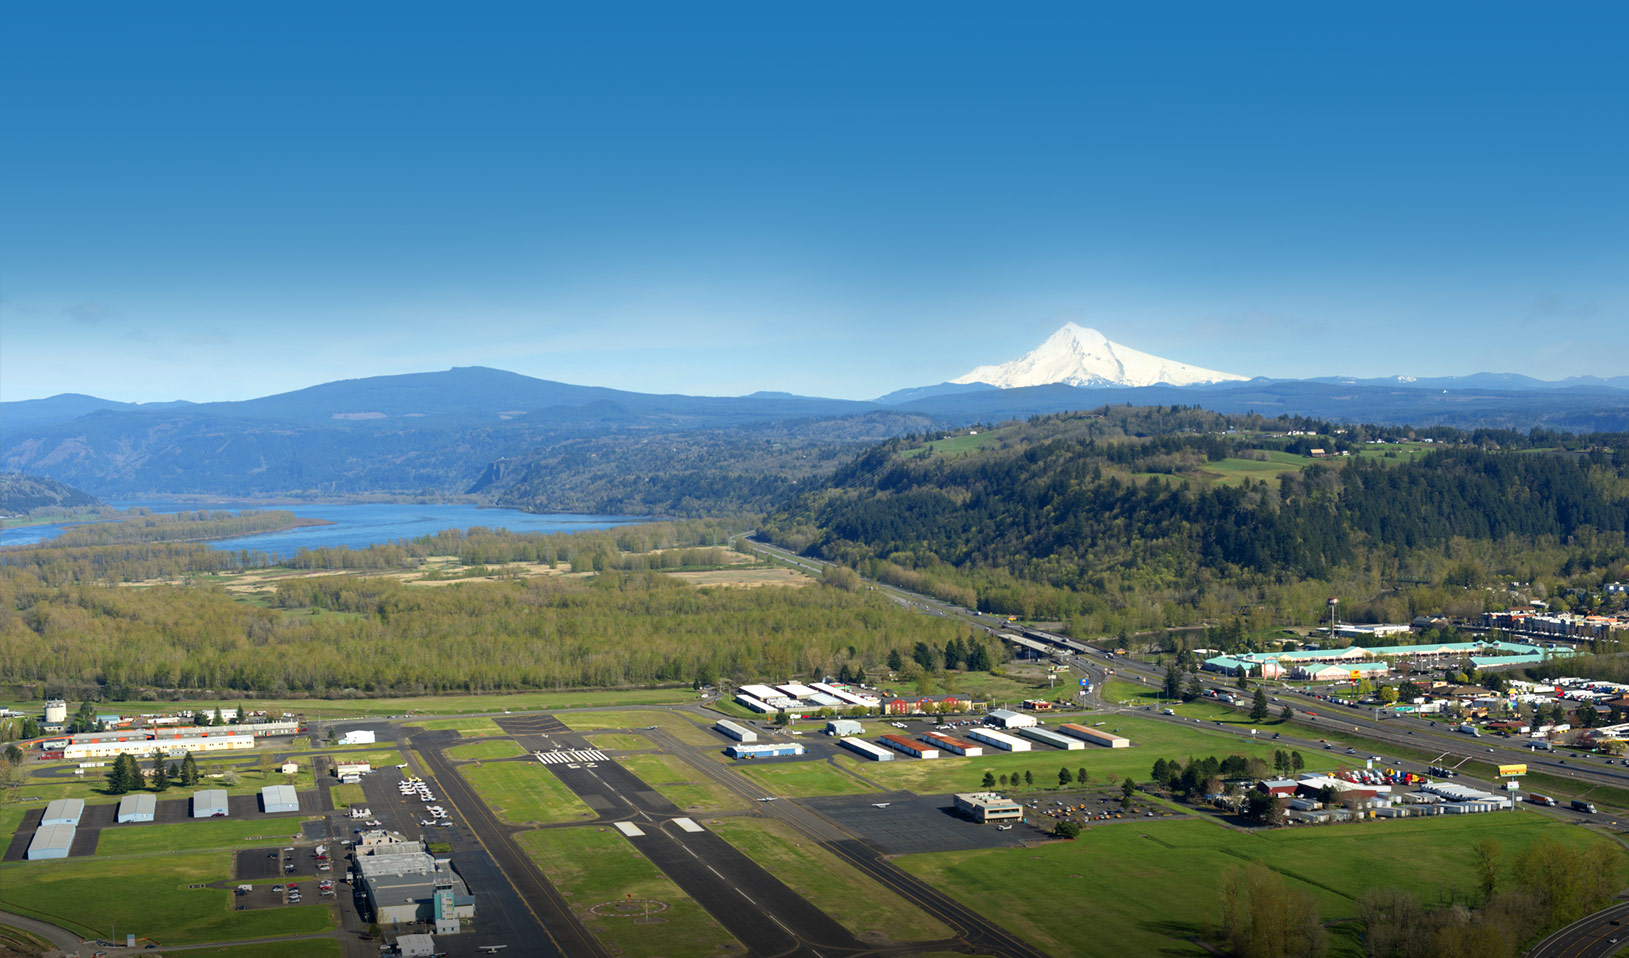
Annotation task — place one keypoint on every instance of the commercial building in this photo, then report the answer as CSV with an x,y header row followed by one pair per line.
x,y
359,736
1001,740
63,811
210,803
136,808
754,703
1006,718
343,769
847,695
50,841
56,712
415,946
796,691
867,750
988,807
279,798
844,727
952,744
910,747
1048,737
143,746
405,883
1095,736
735,731
777,750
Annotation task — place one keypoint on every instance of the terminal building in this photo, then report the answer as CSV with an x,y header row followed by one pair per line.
x,y
403,883
136,808
988,807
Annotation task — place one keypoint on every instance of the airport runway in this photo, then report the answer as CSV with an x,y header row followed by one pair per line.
x,y
513,890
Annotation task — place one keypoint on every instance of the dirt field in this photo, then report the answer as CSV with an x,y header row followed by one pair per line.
x,y
746,578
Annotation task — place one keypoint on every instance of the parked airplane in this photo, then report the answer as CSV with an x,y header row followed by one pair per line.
x,y
881,804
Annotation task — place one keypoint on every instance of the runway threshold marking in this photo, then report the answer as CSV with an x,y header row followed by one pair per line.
x,y
630,829
567,756
688,825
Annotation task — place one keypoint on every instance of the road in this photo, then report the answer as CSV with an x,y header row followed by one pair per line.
x,y
1594,936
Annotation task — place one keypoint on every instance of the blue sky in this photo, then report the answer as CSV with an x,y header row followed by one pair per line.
x,y
223,201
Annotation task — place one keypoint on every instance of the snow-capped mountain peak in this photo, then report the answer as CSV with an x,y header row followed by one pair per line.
x,y
1078,356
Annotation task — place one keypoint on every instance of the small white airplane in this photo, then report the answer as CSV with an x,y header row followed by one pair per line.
x,y
1003,828
881,804
767,798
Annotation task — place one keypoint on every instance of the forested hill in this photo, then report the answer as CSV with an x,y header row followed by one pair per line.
x,y
21,494
1155,517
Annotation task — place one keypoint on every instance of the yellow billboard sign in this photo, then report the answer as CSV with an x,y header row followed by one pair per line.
x,y
1356,675
1506,771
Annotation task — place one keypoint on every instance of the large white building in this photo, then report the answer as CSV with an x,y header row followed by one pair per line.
x,y
169,746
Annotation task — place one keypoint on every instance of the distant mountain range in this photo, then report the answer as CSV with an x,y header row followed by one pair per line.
x,y
549,445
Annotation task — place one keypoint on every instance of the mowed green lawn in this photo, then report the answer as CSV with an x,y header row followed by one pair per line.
x,y
469,727
1151,885
304,948
619,740
1232,472
524,792
675,723
497,748
839,889
144,838
149,897
680,784
803,779
1150,740
592,865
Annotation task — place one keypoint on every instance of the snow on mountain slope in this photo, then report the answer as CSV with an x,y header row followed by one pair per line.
x,y
1079,356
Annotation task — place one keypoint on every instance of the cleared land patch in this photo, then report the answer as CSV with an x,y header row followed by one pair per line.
x,y
839,889
746,578
598,866
497,748
803,779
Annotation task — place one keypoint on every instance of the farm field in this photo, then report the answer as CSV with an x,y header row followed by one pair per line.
x,y
497,748
681,785
1233,472
90,895
803,779
830,884
594,866
1166,875
524,792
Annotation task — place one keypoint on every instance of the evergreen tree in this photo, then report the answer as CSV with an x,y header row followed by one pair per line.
x,y
989,780
1286,713
1258,709
1127,789
161,777
123,776
189,770
1029,778
1173,683
895,660
1297,763
1081,776
1065,777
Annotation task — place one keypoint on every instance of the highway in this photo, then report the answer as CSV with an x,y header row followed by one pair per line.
x,y
1594,936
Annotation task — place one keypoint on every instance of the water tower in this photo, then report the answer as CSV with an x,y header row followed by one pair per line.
x,y
56,712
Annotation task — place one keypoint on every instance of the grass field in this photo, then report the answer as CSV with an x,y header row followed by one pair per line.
x,y
92,787
995,689
1153,885
1150,740
619,740
497,748
830,884
1233,472
468,727
148,896
804,779
675,723
958,445
345,796
11,818
186,836
680,784
312,947
591,866
524,792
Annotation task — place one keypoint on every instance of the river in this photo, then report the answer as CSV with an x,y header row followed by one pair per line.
x,y
354,524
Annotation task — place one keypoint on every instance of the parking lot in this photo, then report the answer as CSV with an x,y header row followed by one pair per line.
x,y
918,823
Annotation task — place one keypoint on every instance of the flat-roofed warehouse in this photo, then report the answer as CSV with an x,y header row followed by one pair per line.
x,y
279,798
1006,718
867,750
774,750
737,732
910,747
844,727
1001,740
209,803
1096,736
951,744
1049,737
988,807
50,841
136,808
63,811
